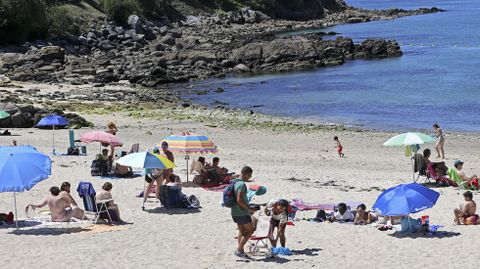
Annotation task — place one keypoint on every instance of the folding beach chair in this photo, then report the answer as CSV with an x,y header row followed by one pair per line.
x,y
453,175
135,148
420,167
87,193
260,240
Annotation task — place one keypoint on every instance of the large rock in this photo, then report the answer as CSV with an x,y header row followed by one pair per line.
x,y
168,39
51,53
241,68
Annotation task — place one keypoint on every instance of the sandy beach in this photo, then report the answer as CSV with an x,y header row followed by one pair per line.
x,y
205,239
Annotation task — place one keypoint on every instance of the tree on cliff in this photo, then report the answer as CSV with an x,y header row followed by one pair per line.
x,y
22,20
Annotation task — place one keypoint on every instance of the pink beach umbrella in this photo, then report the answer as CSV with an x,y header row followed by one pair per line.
x,y
102,137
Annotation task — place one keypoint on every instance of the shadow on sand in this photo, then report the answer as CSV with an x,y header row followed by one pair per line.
x,y
173,211
426,235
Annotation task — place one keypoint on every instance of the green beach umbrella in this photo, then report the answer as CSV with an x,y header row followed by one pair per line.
x,y
4,114
407,140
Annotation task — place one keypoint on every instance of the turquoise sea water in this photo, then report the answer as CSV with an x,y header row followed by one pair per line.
x,y
436,80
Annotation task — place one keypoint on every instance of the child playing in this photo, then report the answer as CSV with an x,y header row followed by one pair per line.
x,y
279,218
339,147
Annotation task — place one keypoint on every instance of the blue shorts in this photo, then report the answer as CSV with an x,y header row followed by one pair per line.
x,y
241,220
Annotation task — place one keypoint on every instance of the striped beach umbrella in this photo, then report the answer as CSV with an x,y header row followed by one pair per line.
x,y
189,143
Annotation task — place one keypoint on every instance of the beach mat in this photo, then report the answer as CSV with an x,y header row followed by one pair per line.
x,y
302,205
214,187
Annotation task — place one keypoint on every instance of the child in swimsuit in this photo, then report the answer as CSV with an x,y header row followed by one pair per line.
x,y
277,210
339,147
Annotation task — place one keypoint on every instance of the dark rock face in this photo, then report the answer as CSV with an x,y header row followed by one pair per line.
x,y
150,54
305,53
28,116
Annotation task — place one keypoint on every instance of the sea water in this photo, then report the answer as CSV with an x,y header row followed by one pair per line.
x,y
436,80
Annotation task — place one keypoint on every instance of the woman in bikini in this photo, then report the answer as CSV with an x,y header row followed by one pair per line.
x,y
440,141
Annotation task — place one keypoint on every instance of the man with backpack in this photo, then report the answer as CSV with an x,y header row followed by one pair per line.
x,y
241,212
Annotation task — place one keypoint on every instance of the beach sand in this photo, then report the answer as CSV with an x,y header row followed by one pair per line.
x,y
205,239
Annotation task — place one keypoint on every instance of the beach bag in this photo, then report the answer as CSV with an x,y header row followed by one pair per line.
x,y
192,202
229,195
409,226
99,168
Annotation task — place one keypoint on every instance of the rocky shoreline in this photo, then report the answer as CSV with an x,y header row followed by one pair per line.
x,y
152,54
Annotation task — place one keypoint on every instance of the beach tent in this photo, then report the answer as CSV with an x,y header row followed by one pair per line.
x,y
407,140
21,167
189,143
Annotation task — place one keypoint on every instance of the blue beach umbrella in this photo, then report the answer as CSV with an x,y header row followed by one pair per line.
x,y
405,199
52,120
22,167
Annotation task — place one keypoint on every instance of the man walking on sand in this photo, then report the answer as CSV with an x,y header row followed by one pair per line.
x,y
241,212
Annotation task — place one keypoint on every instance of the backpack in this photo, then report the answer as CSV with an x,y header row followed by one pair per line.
x,y
229,199
99,168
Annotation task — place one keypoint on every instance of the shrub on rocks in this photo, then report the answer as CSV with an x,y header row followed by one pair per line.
x,y
22,20
120,10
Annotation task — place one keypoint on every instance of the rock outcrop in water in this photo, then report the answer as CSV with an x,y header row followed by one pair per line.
x,y
150,53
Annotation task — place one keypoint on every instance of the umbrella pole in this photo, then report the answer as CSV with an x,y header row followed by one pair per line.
x,y
187,158
15,204
53,139
413,167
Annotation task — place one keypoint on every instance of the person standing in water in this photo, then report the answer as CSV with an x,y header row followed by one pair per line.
x,y
440,141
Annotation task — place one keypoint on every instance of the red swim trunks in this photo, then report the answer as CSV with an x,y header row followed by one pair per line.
x,y
339,149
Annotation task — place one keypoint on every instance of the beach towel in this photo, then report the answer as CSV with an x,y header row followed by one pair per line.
x,y
110,177
214,187
302,205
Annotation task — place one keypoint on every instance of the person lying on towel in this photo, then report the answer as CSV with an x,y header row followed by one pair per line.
x,y
343,214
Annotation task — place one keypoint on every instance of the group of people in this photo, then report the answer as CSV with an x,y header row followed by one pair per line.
x,y
63,207
454,176
209,172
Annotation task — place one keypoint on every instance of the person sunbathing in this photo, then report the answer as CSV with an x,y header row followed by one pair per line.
x,y
363,216
466,212
472,180
65,190
343,214
105,194
277,210
60,205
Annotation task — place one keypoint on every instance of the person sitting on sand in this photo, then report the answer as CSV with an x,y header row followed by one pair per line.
x,y
121,170
339,147
105,194
198,165
363,216
277,210
343,214
465,214
65,190
60,205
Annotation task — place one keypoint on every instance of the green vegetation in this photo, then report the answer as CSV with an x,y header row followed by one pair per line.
x,y
22,20
119,10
